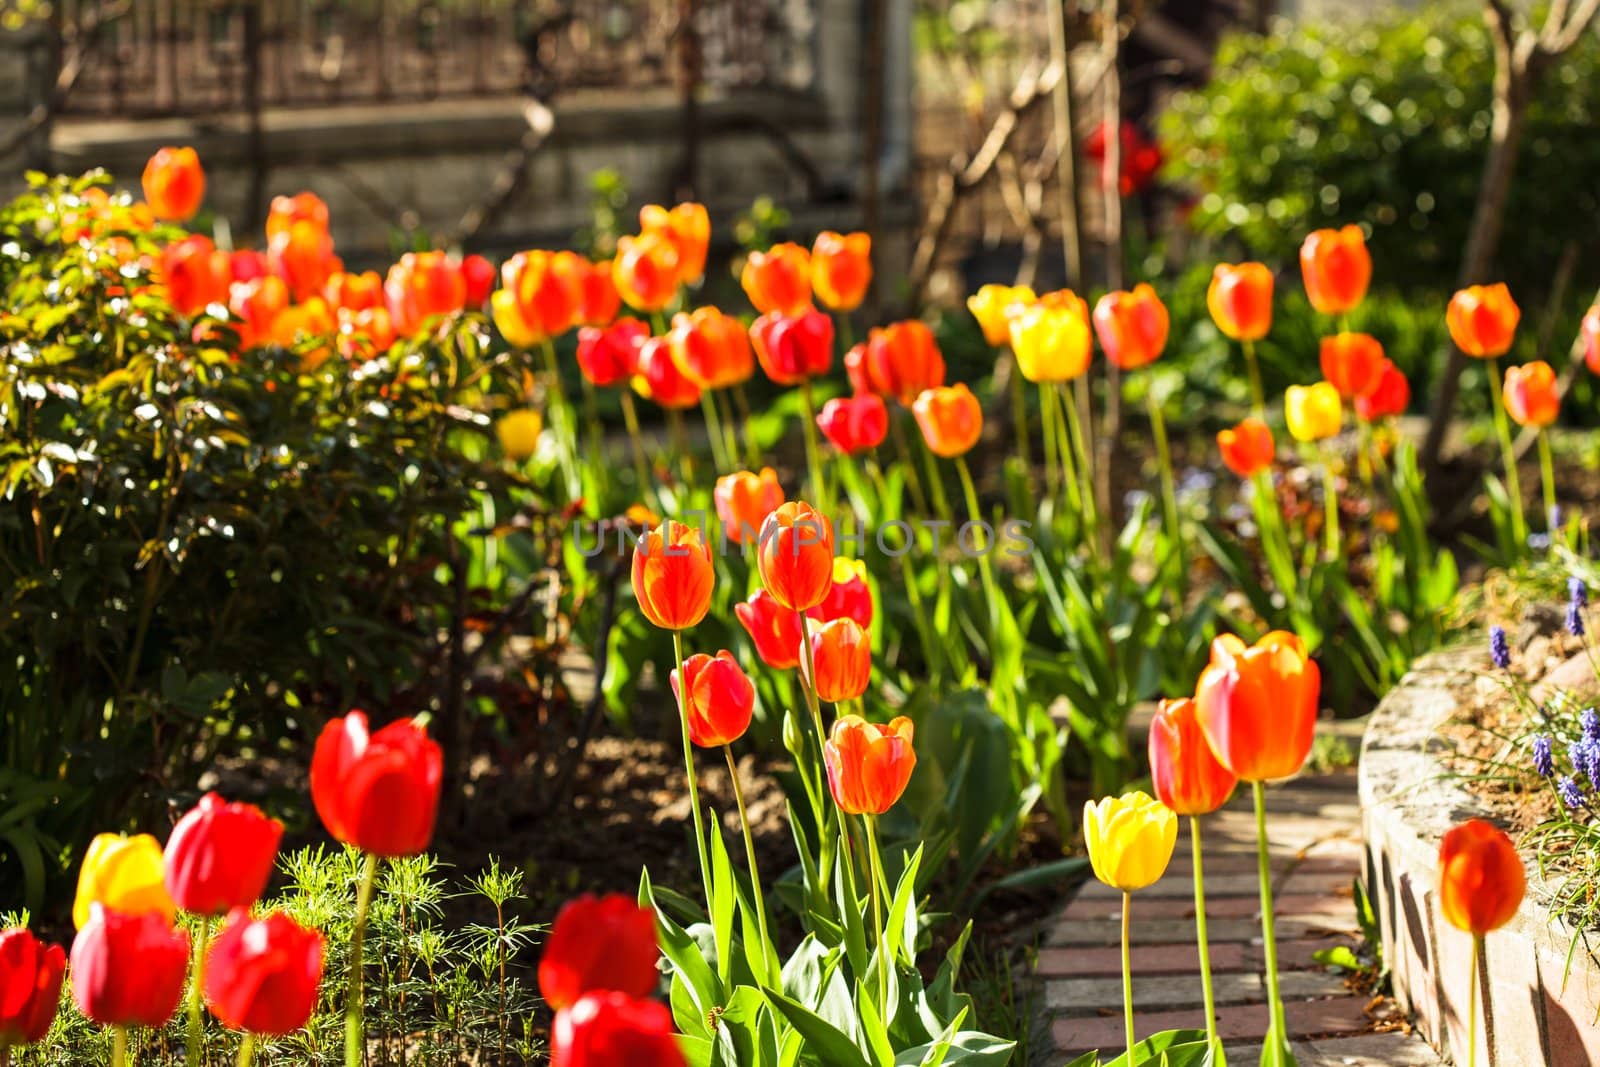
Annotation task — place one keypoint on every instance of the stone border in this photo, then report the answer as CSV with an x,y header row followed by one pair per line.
x,y
1537,1014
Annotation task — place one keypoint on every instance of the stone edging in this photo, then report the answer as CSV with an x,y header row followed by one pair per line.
x,y
1538,1014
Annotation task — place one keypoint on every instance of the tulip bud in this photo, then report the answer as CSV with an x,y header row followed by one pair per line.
x,y
599,944
1481,877
711,349
673,576
773,628
379,793
30,986
1337,269
1247,449
1240,300
778,280
220,856
1391,397
744,499
868,765
1591,339
659,378
796,555
1132,327
897,362
854,424
1352,363
1183,771
1313,412
126,874
841,269
128,969
994,305
718,698
1051,338
1130,839
645,271
841,661
849,598
610,355
611,1029
174,184
262,974
793,348
1258,705
950,418
1483,320
687,228
1531,396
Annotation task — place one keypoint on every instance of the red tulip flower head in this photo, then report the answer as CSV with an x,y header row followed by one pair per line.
x,y
1352,363
773,629
950,419
1531,395
850,597
1591,339
1481,877
869,765
717,696
1132,327
174,184
600,302
1391,397
1258,705
796,555
1247,448
1138,158
687,228
1483,320
854,423
778,280
195,273
841,269
792,348
897,361
1337,269
660,379
220,856
673,576
378,792
744,499
611,1029
712,349
841,661
598,945
1185,775
645,271
30,986
129,969
262,974
609,355
1240,300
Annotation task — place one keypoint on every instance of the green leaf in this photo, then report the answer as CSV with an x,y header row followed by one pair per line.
x,y
827,1042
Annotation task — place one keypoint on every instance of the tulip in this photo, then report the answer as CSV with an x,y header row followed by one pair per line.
x,y
1132,327
423,287
256,305
128,968
744,500
792,349
645,271
897,361
950,419
247,264
778,280
285,211
795,555
354,292
609,355
30,986
711,349
1483,320
849,598
718,697
379,793
1258,705
773,628
854,424
1530,393
365,333
599,302
263,974
303,257
220,856
1313,412
868,764
1240,300
195,274
1051,339
840,664
125,874
609,1029
1138,159
673,576
1352,363
518,431
1391,396
541,296
687,228
658,378
1591,339
841,269
1337,269
174,184
301,326
599,945
994,305
1481,885
1247,448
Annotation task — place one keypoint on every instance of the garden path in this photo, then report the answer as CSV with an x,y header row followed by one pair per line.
x,y
1315,835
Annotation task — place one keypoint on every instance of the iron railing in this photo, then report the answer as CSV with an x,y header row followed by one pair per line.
x,y
200,57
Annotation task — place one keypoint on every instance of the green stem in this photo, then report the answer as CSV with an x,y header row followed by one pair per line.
x,y
808,412
941,503
985,568
752,447
1330,508
913,483
1258,398
1547,476
119,1046
730,440
1200,931
1502,427
197,980
820,770
1169,488
1019,415
561,419
708,408
1127,976
597,445
1270,522
750,857
1080,445
930,648
680,446
247,1050
694,785
354,1036
875,861
1047,429
1472,1000
641,465
1268,935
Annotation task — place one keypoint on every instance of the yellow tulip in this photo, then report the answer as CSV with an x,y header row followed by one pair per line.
x,y
1051,341
507,315
993,306
1313,412
124,874
519,433
1130,839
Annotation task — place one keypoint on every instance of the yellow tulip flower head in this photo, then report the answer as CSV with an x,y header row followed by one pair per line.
x,y
124,874
1051,338
1130,839
519,433
1313,412
993,306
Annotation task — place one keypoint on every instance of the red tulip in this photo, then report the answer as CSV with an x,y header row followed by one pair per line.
x,y
600,302
195,274
869,765
256,305
855,423
1391,397
174,184
599,945
303,257
796,555
1483,320
792,349
744,499
354,292
711,348
1247,448
645,271
897,362
612,1029
1183,771
1240,300
1138,158
660,379
1132,327
540,296
129,969
1531,395
479,274
30,986
379,793
1481,877
422,287
1352,363
773,628
1591,339
841,661
262,974
1258,705
849,598
220,856
673,576
610,355
718,698
1337,269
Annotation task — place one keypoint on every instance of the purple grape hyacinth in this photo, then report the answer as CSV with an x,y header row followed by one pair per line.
x,y
1544,762
1499,647
1571,793
1589,723
1577,592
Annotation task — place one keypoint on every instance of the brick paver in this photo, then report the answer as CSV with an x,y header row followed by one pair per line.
x,y
1316,854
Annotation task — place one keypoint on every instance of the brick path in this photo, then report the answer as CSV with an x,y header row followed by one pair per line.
x,y
1315,831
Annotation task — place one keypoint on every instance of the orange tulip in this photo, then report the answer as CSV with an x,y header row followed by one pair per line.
x,y
255,305
310,321
196,274
303,256
365,333
1337,269
868,765
841,269
687,228
950,419
423,287
658,378
285,211
1483,320
673,576
744,499
1530,394
778,279
1240,300
600,302
1258,705
1591,339
1481,877
841,660
717,696
354,292
1132,327
645,271
1247,448
541,296
712,349
174,184
1391,397
897,362
1352,363
1184,773
795,556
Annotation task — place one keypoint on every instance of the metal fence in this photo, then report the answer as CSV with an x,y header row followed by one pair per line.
x,y
199,57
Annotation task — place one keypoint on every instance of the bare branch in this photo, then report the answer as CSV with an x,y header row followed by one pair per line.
x,y
1558,38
